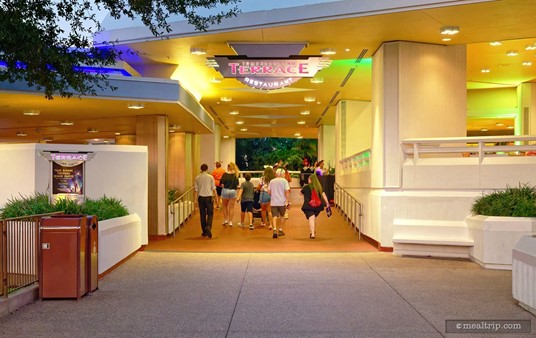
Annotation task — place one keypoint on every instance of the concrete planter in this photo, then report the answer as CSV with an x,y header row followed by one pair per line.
x,y
495,237
524,273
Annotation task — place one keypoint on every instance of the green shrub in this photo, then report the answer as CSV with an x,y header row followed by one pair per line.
x,y
513,202
104,208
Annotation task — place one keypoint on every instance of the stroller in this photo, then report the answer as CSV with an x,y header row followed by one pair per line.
x,y
256,205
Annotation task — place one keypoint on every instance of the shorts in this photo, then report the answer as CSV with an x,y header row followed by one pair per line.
x,y
228,193
246,206
264,198
218,190
308,213
279,211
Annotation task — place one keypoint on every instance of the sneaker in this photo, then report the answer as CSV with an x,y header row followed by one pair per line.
x,y
251,227
230,224
224,223
281,233
274,235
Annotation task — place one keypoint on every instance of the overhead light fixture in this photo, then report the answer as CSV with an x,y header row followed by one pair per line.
x,y
317,80
446,39
92,130
47,139
527,63
510,127
198,51
239,122
226,99
450,30
328,51
297,134
301,122
243,129
305,112
21,134
225,136
174,126
485,70
136,106
234,112
66,123
300,137
498,124
512,53
484,129
117,134
309,99
171,131
495,43
531,47
31,112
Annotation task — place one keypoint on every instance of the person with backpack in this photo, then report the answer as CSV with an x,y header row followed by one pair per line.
x,y
313,203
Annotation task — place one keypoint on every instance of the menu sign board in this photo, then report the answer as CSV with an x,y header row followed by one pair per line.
x,y
67,179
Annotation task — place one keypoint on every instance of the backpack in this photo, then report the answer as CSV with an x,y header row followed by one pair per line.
x,y
315,200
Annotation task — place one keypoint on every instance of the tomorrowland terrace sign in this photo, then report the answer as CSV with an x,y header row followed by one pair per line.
x,y
269,73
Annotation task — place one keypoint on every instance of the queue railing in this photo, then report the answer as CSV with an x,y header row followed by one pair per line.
x,y
350,207
181,209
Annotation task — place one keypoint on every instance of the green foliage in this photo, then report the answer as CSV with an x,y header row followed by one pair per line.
x,y
103,208
513,202
255,153
26,205
39,52
172,195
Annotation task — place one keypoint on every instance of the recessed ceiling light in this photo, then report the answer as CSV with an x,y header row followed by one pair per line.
x,y
21,134
198,51
226,99
305,112
317,80
446,39
300,137
328,51
171,131
174,126
510,127
225,136
309,99
117,133
92,130
234,112
449,30
239,122
495,43
499,124
347,49
243,129
301,122
530,47
297,134
66,123
512,53
485,70
136,106
527,63
31,112
484,129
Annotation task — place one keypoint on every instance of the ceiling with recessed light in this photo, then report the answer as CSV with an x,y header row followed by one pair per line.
x,y
299,109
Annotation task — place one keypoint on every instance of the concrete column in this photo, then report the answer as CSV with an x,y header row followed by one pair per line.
x,y
152,131
326,145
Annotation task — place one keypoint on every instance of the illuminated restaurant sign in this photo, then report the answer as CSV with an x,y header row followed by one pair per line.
x,y
269,73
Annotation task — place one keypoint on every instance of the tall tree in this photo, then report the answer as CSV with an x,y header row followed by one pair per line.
x,y
35,49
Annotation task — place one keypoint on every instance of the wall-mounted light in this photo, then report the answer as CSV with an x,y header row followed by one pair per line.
x,y
449,30
66,123
136,106
328,51
198,51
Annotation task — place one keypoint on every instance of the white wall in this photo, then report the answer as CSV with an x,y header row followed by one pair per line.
x,y
115,171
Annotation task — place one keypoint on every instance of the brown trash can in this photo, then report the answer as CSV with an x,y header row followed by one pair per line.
x,y
62,263
92,257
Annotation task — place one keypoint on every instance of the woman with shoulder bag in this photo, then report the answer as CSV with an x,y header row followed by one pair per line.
x,y
313,202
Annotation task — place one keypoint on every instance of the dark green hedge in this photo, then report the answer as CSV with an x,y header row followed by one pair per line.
x,y
513,202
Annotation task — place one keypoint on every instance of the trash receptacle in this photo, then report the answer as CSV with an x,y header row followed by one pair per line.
x,y
63,256
92,257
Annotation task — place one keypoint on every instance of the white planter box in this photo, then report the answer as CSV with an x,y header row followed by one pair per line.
x,y
524,273
118,238
495,237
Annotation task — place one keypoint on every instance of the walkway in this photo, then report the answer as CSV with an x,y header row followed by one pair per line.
x,y
294,289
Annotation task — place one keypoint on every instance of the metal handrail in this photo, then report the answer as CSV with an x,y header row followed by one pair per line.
x,y
350,206
19,252
185,209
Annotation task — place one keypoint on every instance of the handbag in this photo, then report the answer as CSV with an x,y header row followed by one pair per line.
x,y
315,201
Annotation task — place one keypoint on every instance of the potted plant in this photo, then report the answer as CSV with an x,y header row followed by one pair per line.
x,y
498,220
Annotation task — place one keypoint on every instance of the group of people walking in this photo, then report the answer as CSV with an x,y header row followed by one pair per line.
x,y
221,189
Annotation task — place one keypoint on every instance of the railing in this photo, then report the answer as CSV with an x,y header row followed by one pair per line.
x,y
470,146
183,206
19,252
351,207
